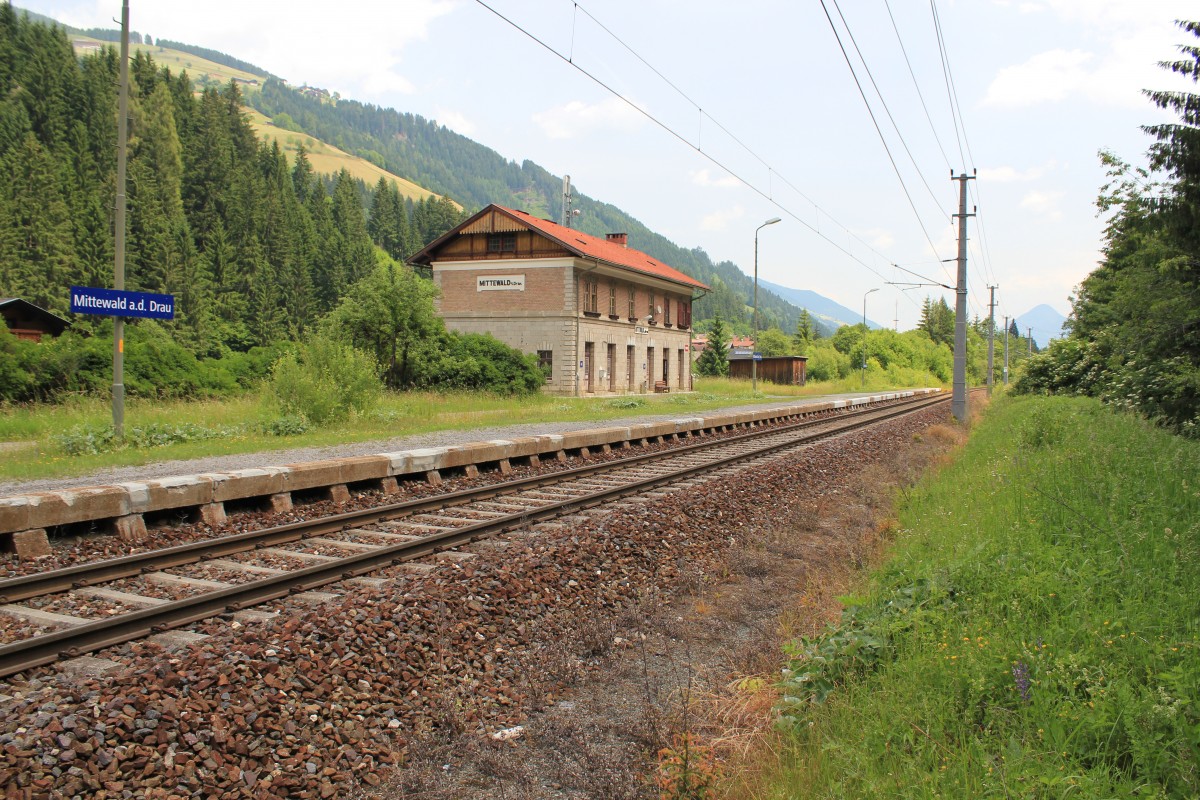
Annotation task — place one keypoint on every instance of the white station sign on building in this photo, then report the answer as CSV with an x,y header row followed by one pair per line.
x,y
500,283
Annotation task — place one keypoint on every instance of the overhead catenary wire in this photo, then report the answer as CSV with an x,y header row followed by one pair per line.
x,y
917,86
695,146
772,173
986,261
963,141
878,130
887,110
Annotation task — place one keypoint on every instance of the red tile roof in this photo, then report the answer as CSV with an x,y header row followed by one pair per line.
x,y
589,246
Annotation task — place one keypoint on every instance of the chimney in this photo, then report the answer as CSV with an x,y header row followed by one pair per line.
x,y
618,238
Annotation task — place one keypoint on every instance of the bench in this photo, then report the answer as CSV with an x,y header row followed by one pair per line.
x,y
661,387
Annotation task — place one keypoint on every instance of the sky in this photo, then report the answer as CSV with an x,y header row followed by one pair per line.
x,y
703,119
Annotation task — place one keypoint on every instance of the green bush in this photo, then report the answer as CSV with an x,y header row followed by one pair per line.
x,y
475,362
17,357
826,363
323,381
155,366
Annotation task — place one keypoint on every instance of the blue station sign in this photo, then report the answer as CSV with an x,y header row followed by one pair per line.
x,y
119,303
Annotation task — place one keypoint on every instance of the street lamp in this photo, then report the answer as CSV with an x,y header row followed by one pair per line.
x,y
753,360
865,332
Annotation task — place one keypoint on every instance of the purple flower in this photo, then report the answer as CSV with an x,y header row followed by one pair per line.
x,y
1021,679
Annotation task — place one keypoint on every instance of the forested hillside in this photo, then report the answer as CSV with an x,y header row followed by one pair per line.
x,y
255,249
450,164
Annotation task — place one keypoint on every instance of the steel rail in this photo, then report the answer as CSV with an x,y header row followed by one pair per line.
x,y
25,587
76,640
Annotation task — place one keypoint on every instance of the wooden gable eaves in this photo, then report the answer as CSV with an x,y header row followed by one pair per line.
x,y
492,221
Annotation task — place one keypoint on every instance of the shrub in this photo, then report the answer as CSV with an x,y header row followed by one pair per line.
x,y
16,366
475,362
826,363
288,425
324,381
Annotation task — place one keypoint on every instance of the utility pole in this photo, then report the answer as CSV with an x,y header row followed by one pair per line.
x,y
958,401
896,321
118,389
1029,339
991,335
566,201
1006,349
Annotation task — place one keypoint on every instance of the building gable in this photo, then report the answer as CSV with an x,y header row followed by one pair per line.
x,y
499,233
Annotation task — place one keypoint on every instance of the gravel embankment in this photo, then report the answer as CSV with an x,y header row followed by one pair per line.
x,y
324,700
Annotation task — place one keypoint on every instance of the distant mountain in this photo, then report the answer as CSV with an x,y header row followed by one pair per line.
x,y
1045,322
831,314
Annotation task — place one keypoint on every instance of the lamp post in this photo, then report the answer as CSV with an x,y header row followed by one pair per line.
x,y
865,332
753,360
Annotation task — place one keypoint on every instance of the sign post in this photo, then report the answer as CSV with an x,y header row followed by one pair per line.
x,y
118,389
118,304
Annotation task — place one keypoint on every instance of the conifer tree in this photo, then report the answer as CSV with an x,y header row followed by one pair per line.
x,y
805,333
714,361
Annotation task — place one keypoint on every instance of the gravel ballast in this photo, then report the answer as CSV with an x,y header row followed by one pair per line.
x,y
325,700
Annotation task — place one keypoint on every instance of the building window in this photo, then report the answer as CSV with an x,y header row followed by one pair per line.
x,y
685,314
632,308
612,300
546,363
589,296
650,307
667,311
502,243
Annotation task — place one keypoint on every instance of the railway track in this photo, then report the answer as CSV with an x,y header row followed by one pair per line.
x,y
345,546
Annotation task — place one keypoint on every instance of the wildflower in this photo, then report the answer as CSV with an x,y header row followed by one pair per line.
x,y
1021,679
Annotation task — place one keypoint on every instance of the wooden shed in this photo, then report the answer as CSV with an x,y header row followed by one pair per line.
x,y
789,370
27,321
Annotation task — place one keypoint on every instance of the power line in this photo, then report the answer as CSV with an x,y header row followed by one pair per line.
x,y
671,131
888,110
770,170
917,86
937,26
878,131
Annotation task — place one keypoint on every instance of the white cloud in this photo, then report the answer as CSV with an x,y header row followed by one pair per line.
x,y
1045,204
1122,45
577,118
704,178
720,220
1008,174
290,40
1048,76
879,238
456,121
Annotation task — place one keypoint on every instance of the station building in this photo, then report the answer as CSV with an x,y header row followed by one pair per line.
x,y
601,317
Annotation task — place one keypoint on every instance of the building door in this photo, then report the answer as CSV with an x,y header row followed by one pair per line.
x,y
630,360
650,368
683,372
612,367
589,351
666,366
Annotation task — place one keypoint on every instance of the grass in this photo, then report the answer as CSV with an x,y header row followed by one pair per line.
x,y
38,433
179,61
327,159
1034,633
